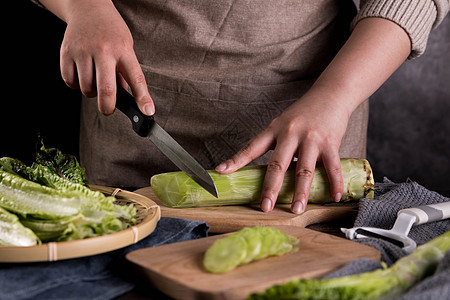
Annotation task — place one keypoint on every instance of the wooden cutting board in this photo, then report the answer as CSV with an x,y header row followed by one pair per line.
x,y
223,219
177,269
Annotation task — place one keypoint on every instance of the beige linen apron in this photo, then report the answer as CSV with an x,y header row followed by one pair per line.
x,y
219,72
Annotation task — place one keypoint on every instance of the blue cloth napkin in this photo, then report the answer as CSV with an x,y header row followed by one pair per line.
x,y
94,277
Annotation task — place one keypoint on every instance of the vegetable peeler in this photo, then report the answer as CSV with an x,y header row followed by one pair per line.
x,y
406,218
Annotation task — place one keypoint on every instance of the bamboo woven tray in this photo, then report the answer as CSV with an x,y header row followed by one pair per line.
x,y
148,215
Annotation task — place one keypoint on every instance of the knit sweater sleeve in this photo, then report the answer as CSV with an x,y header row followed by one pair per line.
x,y
416,17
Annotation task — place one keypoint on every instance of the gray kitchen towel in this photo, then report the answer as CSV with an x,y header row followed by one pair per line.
x,y
381,212
103,276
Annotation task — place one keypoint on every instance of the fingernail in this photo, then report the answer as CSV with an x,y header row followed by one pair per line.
x,y
337,197
266,205
221,167
297,207
148,109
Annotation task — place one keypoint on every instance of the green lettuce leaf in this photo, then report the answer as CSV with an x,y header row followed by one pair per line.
x,y
13,233
13,166
27,198
64,165
52,198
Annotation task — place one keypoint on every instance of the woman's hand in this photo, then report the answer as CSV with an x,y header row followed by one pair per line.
x,y
311,129
97,47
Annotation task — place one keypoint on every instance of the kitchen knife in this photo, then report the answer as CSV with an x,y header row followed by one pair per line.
x,y
146,126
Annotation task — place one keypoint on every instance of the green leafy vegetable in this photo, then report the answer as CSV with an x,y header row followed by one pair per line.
x,y
52,198
13,233
27,198
47,230
247,245
64,165
383,283
13,166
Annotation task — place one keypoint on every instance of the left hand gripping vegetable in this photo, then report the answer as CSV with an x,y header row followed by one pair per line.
x,y
247,245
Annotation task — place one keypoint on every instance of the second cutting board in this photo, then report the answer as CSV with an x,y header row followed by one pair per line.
x,y
177,269
223,219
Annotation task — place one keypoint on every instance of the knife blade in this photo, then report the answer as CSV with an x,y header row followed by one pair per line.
x,y
145,126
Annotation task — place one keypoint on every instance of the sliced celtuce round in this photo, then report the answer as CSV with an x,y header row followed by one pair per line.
x,y
247,245
225,254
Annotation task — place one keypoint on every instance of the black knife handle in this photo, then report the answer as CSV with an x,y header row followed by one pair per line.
x,y
126,104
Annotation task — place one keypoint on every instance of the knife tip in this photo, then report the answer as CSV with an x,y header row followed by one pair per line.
x,y
214,192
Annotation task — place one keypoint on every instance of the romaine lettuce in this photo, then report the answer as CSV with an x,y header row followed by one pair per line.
x,y
64,165
13,233
53,199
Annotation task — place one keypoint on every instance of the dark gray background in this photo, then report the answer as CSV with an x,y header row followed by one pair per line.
x,y
409,125
408,129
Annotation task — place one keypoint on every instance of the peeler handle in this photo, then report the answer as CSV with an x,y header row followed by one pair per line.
x,y
429,213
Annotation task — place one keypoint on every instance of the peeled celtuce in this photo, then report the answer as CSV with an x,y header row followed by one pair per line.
x,y
243,186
